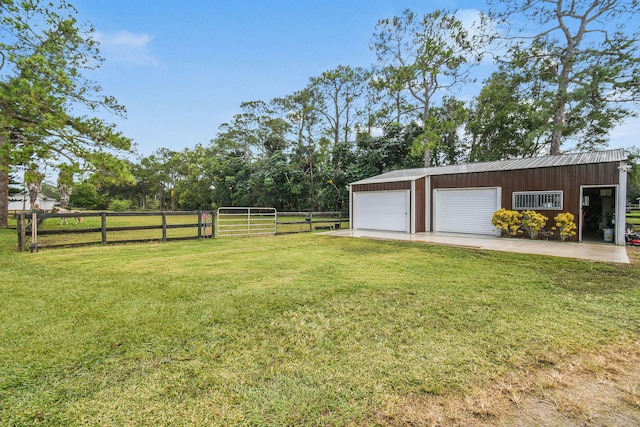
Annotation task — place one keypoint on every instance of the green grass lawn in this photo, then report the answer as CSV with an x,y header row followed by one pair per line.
x,y
300,329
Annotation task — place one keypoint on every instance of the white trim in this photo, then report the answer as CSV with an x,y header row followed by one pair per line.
x,y
412,217
351,209
621,205
427,204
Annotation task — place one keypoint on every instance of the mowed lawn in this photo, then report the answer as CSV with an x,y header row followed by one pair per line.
x,y
289,330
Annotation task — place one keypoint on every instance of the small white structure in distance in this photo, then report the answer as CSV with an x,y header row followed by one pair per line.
x,y
20,202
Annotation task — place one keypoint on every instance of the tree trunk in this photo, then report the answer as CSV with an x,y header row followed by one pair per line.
x,y
65,195
427,144
336,130
4,183
556,136
560,107
312,204
34,190
567,60
4,197
427,158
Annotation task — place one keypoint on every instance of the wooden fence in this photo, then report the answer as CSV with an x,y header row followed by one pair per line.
x,y
27,225
296,222
194,225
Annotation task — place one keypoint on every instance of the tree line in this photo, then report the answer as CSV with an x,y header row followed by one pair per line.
x,y
565,81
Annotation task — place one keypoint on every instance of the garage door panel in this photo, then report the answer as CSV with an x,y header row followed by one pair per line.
x,y
382,210
466,210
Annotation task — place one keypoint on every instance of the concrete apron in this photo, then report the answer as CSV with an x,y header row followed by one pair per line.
x,y
605,252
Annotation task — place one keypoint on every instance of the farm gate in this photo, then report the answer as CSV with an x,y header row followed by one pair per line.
x,y
245,221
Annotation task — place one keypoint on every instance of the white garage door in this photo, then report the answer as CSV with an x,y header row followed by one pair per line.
x,y
467,210
382,210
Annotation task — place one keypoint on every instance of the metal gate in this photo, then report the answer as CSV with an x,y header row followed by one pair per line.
x,y
244,221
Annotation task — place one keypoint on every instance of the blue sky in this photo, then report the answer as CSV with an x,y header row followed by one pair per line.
x,y
182,68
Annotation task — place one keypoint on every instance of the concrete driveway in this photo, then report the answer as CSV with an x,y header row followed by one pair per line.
x,y
605,252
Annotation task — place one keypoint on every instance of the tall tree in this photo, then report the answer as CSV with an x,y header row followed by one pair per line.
x,y
389,151
342,93
171,169
427,56
591,59
249,129
395,105
450,118
228,169
195,190
44,53
509,118
301,110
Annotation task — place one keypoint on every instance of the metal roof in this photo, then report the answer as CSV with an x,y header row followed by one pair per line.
x,y
606,156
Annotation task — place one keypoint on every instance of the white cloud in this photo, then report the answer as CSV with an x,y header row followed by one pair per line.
x,y
127,48
625,135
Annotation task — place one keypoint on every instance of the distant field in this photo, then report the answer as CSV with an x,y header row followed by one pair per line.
x,y
300,329
634,218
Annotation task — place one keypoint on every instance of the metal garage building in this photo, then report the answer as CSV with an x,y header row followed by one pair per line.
x,y
462,198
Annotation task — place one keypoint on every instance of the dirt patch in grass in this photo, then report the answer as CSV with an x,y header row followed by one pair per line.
x,y
592,390
595,389
587,390
634,254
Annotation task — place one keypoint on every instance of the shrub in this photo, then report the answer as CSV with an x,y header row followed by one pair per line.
x,y
533,222
566,225
508,222
86,196
120,204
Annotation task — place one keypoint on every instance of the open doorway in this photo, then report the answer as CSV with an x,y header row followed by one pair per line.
x,y
598,214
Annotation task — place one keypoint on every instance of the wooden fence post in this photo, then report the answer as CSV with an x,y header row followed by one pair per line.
x,y
213,224
22,232
34,230
103,227
200,224
164,226
310,221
